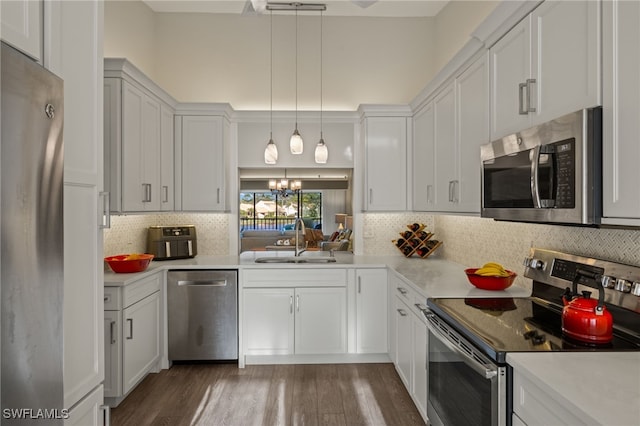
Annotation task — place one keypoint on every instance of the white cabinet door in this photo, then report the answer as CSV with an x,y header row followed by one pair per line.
x,y
472,106
621,109
112,350
404,344
89,411
371,309
166,158
420,352
445,155
22,25
74,52
201,165
141,333
268,320
423,159
321,320
565,57
510,67
386,163
140,150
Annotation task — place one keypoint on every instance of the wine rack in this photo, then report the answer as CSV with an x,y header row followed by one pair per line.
x,y
416,240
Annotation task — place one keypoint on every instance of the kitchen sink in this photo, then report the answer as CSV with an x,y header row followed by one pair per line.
x,y
298,259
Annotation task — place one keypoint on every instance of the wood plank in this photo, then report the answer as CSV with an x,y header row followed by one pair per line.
x,y
222,394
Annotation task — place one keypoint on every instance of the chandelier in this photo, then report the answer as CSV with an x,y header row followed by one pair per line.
x,y
284,187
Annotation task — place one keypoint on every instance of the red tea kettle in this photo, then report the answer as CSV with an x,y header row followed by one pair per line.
x,y
583,318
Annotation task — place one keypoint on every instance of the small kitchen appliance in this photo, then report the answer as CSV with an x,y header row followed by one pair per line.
x,y
550,173
172,242
469,339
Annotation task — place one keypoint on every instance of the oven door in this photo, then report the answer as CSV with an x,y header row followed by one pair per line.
x,y
465,387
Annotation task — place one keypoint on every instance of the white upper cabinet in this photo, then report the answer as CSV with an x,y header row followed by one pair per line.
x,y
546,66
386,163
621,102
422,158
138,135
472,108
448,133
22,26
200,162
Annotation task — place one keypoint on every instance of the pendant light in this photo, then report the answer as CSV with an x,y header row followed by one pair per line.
x,y
271,151
322,153
296,144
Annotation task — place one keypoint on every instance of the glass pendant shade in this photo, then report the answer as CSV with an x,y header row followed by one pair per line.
x,y
296,143
322,153
271,153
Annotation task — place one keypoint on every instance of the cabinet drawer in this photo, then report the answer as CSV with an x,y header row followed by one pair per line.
x,y
141,289
112,299
535,407
303,277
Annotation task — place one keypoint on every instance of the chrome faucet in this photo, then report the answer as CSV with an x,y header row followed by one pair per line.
x,y
304,233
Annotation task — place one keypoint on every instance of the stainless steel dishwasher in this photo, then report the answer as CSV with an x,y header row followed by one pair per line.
x,y
202,315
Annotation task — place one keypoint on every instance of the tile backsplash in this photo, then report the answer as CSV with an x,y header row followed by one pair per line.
x,y
128,233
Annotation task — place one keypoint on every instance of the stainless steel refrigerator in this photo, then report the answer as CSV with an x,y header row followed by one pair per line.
x,y
31,226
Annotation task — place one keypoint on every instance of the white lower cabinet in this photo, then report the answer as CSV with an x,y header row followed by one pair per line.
x,y
287,321
132,335
535,407
410,351
89,411
371,310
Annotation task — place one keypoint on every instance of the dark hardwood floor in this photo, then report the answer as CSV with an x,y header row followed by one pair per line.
x,y
223,394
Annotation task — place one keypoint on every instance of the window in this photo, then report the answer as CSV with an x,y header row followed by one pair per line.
x,y
265,210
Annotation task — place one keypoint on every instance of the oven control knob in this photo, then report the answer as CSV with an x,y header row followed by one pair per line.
x,y
635,288
533,263
623,285
608,281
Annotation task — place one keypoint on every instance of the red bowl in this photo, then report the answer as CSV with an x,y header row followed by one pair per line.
x,y
489,282
122,265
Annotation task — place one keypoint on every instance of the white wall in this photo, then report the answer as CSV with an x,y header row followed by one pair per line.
x,y
129,32
453,26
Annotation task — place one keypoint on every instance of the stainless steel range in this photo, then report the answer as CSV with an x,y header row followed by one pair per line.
x,y
470,338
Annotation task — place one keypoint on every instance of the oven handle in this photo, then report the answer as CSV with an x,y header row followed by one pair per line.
x,y
488,372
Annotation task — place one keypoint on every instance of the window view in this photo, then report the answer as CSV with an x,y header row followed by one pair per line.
x,y
265,210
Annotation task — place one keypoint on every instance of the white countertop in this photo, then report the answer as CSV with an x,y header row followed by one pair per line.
x,y
602,388
429,277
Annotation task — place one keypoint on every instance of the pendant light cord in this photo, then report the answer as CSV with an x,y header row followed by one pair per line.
x,y
271,72
296,69
320,74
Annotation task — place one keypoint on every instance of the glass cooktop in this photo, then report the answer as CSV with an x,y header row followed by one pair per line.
x,y
501,325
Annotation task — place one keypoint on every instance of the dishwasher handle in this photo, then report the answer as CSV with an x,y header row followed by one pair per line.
x,y
203,283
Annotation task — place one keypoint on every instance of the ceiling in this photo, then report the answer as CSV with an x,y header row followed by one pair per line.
x,y
372,8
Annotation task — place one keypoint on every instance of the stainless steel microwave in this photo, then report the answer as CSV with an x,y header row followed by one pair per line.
x,y
551,173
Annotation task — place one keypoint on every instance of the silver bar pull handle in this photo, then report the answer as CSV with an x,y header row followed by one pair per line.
x,y
297,303
521,108
455,192
290,304
359,284
429,189
106,415
218,195
130,321
208,283
530,81
402,312
402,290
370,195
421,307
106,211
112,332
451,191
165,194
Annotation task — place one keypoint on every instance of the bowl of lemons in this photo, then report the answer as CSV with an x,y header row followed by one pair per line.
x,y
128,263
491,276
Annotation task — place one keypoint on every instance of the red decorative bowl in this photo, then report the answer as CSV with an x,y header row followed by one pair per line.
x,y
124,264
489,282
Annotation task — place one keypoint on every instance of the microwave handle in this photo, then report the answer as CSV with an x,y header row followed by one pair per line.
x,y
539,203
